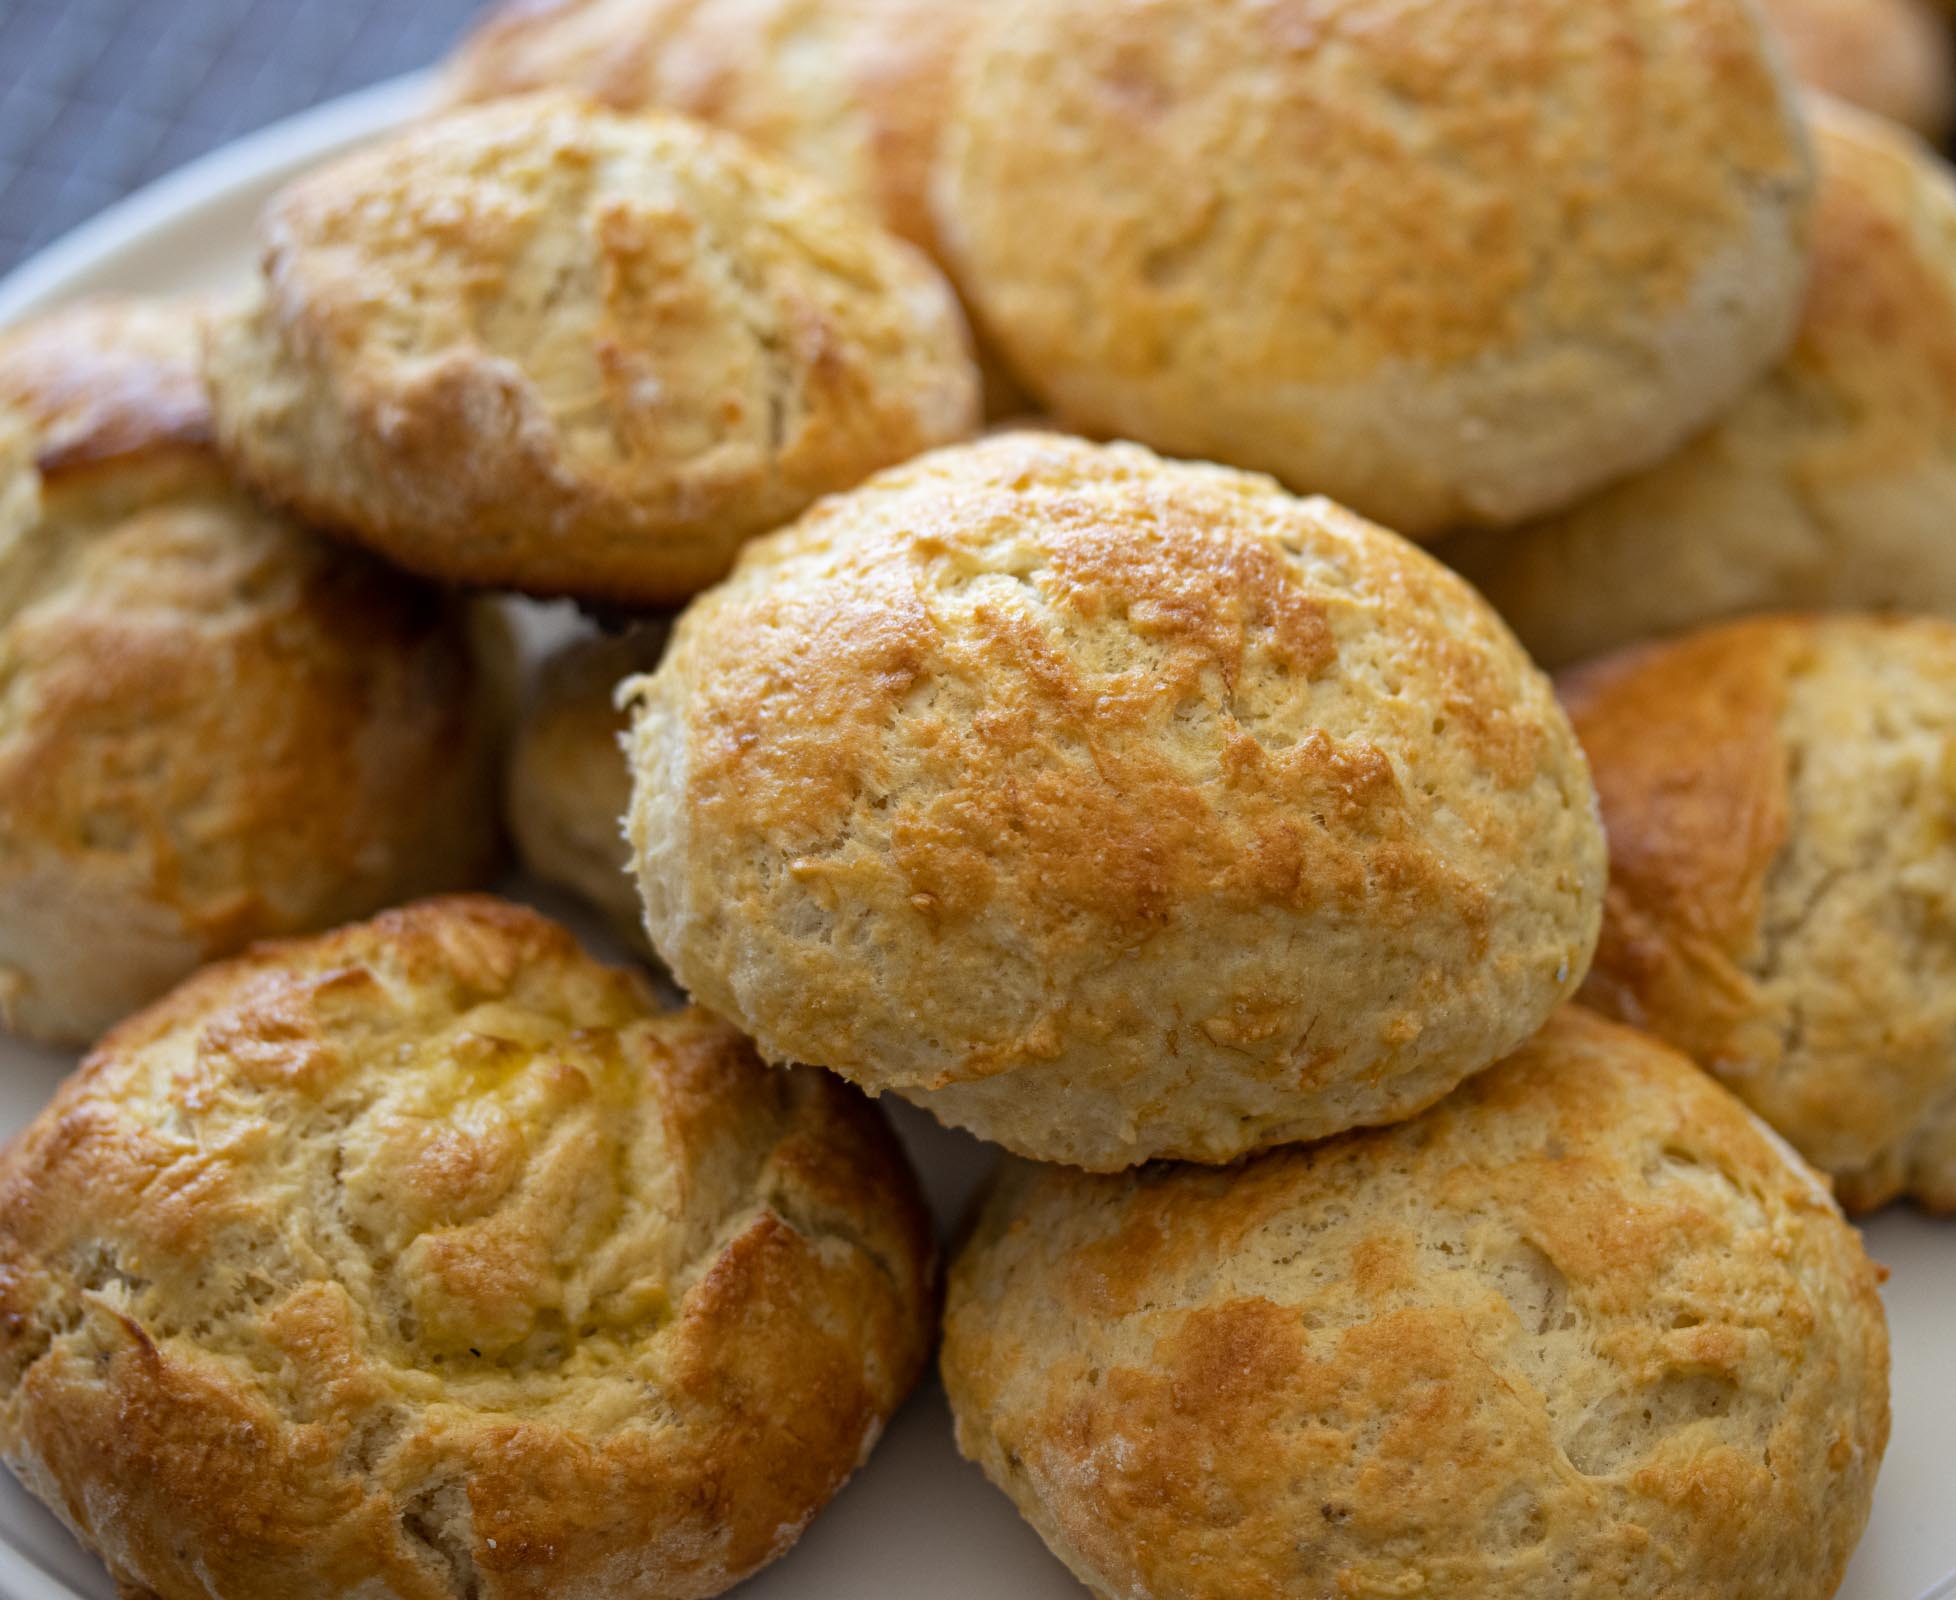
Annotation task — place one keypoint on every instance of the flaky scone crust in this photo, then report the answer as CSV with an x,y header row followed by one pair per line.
x,y
425,1258
215,727
569,785
1112,807
548,347
1446,261
1780,796
1583,1331
1830,485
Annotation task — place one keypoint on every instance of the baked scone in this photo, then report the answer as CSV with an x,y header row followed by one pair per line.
x,y
1889,56
215,727
1111,808
568,785
1583,1331
427,1259
547,347
1780,796
1832,484
849,90
1449,265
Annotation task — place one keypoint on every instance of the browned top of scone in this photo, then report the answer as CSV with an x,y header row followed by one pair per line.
x,y
106,379
1779,803
850,90
425,1257
1583,1330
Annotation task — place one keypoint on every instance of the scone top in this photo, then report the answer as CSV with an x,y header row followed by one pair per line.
x,y
426,1258
1112,807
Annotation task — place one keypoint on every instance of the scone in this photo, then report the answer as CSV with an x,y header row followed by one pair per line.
x,y
215,726
426,1259
1112,808
1448,264
1584,1331
1889,56
1832,484
849,90
568,785
1780,796
547,347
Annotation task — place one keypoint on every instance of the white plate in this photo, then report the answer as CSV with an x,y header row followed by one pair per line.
x,y
917,1521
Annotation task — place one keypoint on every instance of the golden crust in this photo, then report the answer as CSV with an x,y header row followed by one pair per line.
x,y
1832,484
1583,1331
1111,807
426,1258
1780,800
106,379
215,727
546,347
849,90
1446,263
569,787
1888,56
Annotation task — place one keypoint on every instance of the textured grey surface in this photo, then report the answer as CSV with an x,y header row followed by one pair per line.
x,y
97,97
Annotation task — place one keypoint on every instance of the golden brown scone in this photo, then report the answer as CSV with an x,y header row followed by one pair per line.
x,y
1449,263
851,91
1111,807
568,785
215,726
1583,1331
427,1259
1780,796
1889,56
1832,484
546,347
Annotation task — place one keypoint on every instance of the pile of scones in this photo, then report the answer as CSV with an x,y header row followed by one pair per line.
x,y
989,448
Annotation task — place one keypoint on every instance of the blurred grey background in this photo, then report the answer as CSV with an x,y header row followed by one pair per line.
x,y
97,97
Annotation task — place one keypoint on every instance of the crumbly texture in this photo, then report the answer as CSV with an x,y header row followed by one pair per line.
x,y
1891,57
569,786
1584,1331
213,726
851,91
1112,808
1780,796
427,1259
547,347
1447,261
1832,484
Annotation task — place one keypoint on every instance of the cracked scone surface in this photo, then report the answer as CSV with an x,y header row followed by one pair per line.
x,y
426,1258
1780,797
1583,1331
1449,263
569,785
547,347
214,727
1112,807
1830,485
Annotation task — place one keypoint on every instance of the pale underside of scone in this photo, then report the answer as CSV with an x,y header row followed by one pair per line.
x,y
1111,808
569,786
215,726
1780,796
1448,265
1832,483
547,347
1584,1331
426,1259
1891,57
